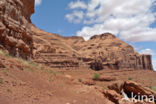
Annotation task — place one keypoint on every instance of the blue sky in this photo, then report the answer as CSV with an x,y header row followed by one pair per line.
x,y
133,21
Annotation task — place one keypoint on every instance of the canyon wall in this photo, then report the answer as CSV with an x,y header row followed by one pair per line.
x,y
103,51
15,33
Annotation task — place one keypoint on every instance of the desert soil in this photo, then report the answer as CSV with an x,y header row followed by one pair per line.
x,y
22,82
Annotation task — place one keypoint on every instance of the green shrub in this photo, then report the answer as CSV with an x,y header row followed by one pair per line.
x,y
9,90
80,80
1,81
96,76
130,78
4,54
152,88
5,72
27,69
105,87
53,72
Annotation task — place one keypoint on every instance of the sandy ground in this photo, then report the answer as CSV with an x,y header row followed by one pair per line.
x,y
27,83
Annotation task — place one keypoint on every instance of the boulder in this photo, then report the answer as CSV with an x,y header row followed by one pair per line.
x,y
117,86
112,96
130,86
132,91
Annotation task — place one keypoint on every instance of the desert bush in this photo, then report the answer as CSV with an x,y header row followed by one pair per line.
x,y
96,76
79,80
130,78
1,81
53,72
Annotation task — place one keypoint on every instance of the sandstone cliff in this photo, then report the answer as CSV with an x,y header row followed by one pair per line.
x,y
52,50
103,51
110,52
15,33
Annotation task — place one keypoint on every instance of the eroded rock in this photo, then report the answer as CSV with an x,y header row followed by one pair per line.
x,y
100,52
130,92
15,33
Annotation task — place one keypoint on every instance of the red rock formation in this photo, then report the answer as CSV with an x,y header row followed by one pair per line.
x,y
129,89
106,51
52,50
15,33
100,52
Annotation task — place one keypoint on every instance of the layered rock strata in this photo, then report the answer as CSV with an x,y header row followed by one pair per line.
x,y
103,51
15,33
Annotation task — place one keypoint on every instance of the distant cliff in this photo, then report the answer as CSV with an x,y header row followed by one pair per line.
x,y
103,51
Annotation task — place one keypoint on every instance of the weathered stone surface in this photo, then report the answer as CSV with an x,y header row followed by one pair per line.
x,y
52,50
112,96
107,52
117,86
100,52
130,86
15,33
131,90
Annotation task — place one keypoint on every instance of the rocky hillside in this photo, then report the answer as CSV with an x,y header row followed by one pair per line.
x,y
103,51
15,33
24,82
111,52
20,38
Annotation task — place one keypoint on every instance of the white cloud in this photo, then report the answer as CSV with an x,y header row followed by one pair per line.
x,y
38,2
75,17
77,4
148,51
130,19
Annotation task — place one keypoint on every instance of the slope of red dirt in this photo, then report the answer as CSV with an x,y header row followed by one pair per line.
x,y
30,83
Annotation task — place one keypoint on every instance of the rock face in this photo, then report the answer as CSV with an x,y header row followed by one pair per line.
x,y
100,52
52,50
15,33
106,51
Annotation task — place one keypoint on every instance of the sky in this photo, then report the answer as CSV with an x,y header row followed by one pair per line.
x,y
133,21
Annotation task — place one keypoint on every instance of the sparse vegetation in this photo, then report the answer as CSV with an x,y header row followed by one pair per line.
x,y
50,79
9,90
1,81
4,53
96,76
5,71
105,87
153,88
130,78
27,69
53,72
150,85
79,80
